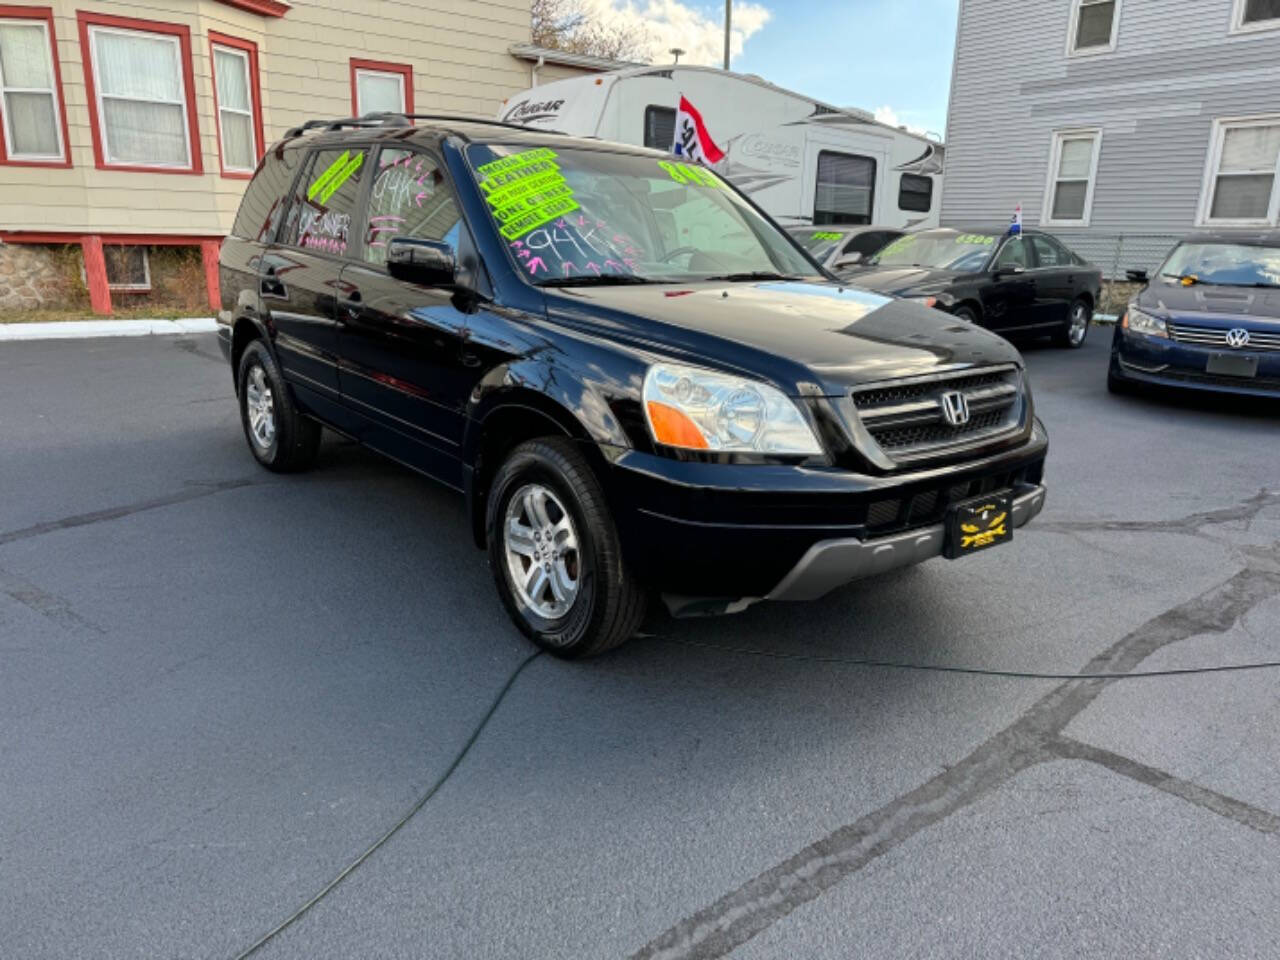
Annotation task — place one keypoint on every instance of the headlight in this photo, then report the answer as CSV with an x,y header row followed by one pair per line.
x,y
1140,322
924,301
699,409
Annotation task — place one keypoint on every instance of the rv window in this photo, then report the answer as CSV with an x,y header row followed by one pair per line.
x,y
659,127
846,188
915,193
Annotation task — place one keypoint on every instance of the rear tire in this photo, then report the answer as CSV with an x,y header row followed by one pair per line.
x,y
280,438
1076,331
555,552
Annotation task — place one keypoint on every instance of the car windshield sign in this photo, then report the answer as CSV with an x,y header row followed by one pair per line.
x,y
579,216
940,250
1224,264
819,243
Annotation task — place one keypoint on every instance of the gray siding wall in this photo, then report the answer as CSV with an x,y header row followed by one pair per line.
x,y
1176,68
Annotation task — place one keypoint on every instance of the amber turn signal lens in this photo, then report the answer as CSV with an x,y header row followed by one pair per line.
x,y
1124,321
673,428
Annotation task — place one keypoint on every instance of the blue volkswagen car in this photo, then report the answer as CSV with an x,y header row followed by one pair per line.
x,y
1209,320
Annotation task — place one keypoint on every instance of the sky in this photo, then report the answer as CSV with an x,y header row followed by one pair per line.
x,y
892,57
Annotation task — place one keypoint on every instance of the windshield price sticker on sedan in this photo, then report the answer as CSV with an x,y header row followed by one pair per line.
x,y
526,190
827,236
975,240
689,173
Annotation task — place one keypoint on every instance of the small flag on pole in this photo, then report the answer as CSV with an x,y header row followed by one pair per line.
x,y
692,139
1016,225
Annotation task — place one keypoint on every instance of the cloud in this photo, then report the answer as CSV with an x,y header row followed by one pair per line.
x,y
887,114
670,23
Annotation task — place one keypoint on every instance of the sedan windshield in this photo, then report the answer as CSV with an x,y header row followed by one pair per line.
x,y
1225,264
819,243
938,249
581,216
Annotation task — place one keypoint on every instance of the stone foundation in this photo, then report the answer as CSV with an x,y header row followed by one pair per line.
x,y
35,277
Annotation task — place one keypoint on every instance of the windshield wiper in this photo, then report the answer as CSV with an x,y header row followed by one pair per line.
x,y
603,280
748,277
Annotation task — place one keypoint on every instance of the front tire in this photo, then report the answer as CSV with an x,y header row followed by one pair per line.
x,y
966,314
555,553
280,437
1077,329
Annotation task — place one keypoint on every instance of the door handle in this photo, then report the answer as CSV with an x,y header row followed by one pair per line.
x,y
352,305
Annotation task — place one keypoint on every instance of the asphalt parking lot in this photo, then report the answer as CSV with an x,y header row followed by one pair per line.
x,y
221,687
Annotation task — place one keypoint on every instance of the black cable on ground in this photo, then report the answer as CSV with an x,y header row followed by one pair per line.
x,y
942,668
418,805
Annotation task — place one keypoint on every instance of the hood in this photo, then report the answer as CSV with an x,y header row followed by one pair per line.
x,y
1172,299
903,281
795,333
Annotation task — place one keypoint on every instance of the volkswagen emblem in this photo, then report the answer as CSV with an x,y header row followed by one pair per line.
x,y
1238,338
955,408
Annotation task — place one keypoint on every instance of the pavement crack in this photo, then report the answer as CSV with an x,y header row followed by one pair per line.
x,y
1250,816
740,915
116,513
49,605
1246,511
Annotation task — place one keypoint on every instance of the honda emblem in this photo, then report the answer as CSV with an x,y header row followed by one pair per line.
x,y
955,408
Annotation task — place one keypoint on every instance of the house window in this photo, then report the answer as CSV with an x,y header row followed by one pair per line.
x,y
660,127
128,269
235,74
139,78
378,87
1244,161
845,190
1094,24
915,193
30,100
1073,168
1256,15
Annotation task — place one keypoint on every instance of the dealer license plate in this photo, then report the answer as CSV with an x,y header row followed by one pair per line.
x,y
1232,365
979,524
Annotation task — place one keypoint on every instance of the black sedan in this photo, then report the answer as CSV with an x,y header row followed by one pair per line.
x,y
1210,320
1026,284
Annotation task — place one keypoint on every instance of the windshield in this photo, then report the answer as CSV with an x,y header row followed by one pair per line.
x,y
1226,264
939,249
819,243
574,216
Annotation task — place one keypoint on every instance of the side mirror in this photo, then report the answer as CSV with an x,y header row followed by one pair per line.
x,y
1137,276
848,260
428,263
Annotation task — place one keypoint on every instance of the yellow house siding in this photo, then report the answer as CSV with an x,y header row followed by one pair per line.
x,y
457,49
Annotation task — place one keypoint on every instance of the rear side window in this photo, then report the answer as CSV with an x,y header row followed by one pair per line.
x,y
659,127
324,201
868,243
915,193
846,188
1049,253
268,193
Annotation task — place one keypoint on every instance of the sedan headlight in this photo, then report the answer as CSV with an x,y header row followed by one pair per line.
x,y
699,409
924,301
1140,322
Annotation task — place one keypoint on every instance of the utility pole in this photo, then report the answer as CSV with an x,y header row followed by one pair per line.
x,y
728,19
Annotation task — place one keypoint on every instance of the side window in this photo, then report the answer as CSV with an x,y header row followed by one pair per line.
x,y
915,193
659,127
1013,254
267,196
867,243
846,188
324,201
1049,253
409,197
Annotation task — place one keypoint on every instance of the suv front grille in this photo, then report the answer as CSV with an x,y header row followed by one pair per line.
x,y
1217,336
908,422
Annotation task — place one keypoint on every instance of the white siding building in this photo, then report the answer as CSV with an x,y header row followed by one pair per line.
x,y
1120,125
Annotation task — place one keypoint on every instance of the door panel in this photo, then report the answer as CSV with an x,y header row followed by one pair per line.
x,y
403,362
300,273
1055,281
1008,300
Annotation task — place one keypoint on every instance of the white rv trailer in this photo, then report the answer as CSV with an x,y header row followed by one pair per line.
x,y
803,161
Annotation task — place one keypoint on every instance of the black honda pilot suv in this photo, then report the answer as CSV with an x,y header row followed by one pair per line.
x,y
641,384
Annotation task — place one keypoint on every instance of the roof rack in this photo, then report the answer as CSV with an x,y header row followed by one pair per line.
x,y
390,119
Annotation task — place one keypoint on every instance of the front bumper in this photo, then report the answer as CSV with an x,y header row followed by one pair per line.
x,y
1158,362
833,563
720,535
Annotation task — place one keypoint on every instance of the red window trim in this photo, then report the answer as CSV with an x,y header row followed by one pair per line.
x,y
249,48
382,66
86,20
12,12
266,8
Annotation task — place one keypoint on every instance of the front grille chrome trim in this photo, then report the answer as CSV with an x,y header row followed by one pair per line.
x,y
1202,336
